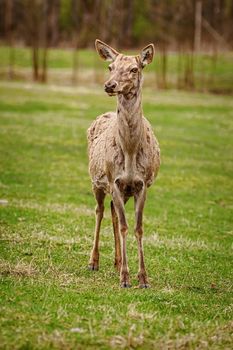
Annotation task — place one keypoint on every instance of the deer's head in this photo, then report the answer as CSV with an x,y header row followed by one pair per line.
x,y
125,71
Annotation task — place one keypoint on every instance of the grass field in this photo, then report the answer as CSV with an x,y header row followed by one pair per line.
x,y
49,300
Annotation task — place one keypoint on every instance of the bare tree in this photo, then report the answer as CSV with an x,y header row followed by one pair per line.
x,y
37,25
9,36
75,7
31,32
197,32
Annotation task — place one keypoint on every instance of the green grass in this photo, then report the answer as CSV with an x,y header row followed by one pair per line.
x,y
49,300
211,72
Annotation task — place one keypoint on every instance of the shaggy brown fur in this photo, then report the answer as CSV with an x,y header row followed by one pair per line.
x,y
124,156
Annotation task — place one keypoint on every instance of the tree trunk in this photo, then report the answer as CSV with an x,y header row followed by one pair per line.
x,y
9,36
179,68
44,33
164,67
44,65
35,62
197,31
76,8
75,66
188,71
54,25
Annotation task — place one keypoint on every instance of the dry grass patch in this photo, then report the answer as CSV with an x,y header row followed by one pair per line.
x,y
20,269
219,338
179,243
53,207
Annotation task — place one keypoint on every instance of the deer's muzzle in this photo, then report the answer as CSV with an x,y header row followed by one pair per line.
x,y
110,86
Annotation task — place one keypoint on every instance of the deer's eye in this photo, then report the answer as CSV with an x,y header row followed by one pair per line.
x,y
134,70
110,68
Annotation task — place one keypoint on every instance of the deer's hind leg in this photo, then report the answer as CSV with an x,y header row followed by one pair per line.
x,y
99,211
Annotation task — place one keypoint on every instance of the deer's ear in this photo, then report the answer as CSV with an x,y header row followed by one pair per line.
x,y
147,54
105,51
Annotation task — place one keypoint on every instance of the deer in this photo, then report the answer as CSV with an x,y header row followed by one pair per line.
x,y
124,156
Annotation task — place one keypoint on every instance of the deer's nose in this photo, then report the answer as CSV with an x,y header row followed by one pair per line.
x,y
110,85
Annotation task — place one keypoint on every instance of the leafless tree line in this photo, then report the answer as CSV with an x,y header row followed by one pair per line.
x,y
186,26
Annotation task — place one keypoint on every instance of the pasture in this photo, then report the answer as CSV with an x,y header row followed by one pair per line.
x,y
49,299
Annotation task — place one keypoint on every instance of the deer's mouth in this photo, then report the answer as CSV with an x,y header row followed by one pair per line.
x,y
112,93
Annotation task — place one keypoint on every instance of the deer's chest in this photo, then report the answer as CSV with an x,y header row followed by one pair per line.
x,y
116,160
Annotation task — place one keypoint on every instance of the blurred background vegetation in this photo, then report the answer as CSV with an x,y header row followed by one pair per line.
x,y
53,40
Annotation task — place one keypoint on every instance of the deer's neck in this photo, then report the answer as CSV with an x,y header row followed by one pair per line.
x,y
130,129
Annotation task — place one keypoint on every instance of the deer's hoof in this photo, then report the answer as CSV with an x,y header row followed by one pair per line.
x,y
93,267
144,285
125,285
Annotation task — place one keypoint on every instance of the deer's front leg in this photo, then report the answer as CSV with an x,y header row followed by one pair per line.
x,y
94,258
118,200
139,199
116,237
